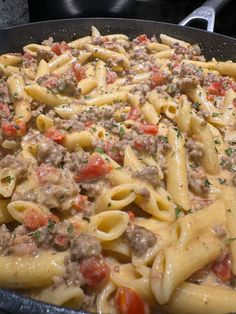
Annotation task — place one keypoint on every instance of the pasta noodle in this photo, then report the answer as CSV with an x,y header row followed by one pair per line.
x,y
118,175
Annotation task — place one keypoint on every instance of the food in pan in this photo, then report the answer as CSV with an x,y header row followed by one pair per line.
x,y
118,175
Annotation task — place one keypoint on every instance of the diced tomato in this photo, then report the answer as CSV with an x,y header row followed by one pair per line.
x,y
112,152
4,110
13,129
95,272
128,301
134,113
216,88
78,70
111,77
131,215
150,129
46,172
157,77
96,167
54,135
80,202
34,219
142,39
138,145
59,48
223,268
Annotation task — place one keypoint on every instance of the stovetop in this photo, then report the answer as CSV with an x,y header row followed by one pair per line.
x,y
14,12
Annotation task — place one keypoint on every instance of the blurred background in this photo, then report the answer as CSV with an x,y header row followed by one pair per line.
x,y
14,12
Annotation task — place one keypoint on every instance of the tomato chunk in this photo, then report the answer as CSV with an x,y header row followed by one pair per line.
x,y
113,152
96,167
111,77
13,129
142,39
79,71
223,268
128,301
34,219
216,88
95,272
59,48
54,135
80,202
134,113
148,128
157,77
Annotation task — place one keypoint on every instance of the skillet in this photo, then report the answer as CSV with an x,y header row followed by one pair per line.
x,y
13,39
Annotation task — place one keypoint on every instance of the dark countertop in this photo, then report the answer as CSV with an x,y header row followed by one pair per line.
x,y
13,12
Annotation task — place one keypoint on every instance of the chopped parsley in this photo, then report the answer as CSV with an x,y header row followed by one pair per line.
x,y
70,228
190,211
99,150
230,240
178,132
229,151
216,114
50,225
122,131
7,179
86,219
108,205
61,164
177,211
207,183
36,235
222,162
222,181
163,139
217,142
228,210
168,197
196,105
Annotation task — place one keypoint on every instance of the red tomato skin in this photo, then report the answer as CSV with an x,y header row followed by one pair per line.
x,y
54,135
143,39
113,154
96,167
216,88
134,113
13,129
223,268
128,301
157,78
95,272
34,219
150,129
111,77
79,71
59,48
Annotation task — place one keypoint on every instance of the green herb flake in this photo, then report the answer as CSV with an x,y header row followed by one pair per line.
x,y
94,129
207,183
50,225
178,133
36,235
217,142
196,106
70,228
216,114
109,205
61,165
99,150
228,210
177,211
8,179
122,131
163,139
229,240
222,181
86,219
168,197
190,211
229,151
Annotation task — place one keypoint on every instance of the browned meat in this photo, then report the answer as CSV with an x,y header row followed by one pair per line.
x,y
19,164
149,174
140,239
195,150
45,54
84,246
50,153
4,94
198,182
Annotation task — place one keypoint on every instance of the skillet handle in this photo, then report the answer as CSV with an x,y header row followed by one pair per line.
x,y
205,12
